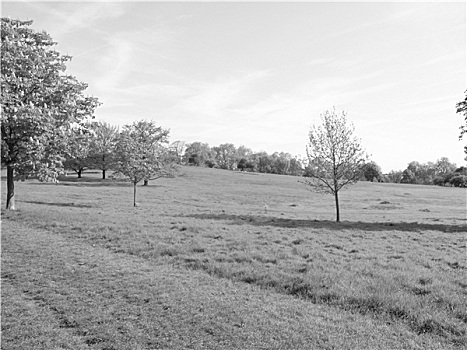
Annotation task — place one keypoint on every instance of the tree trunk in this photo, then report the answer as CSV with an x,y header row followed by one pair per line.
x,y
79,173
103,174
134,194
338,219
10,196
145,183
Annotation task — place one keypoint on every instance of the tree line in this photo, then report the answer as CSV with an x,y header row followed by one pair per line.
x,y
441,172
47,125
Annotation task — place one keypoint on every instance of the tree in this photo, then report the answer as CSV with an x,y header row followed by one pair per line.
x,y
140,153
199,154
295,167
225,156
39,104
102,153
280,163
168,167
77,149
372,171
444,166
424,173
459,181
262,162
335,156
462,109
176,149
395,176
241,164
408,177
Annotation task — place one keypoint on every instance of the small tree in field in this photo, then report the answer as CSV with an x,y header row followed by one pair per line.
x,y
140,153
335,156
39,104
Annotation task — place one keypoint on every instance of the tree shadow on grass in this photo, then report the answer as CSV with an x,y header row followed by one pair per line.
x,y
74,205
256,220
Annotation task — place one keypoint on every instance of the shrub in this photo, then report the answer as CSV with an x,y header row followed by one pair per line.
x,y
459,181
439,181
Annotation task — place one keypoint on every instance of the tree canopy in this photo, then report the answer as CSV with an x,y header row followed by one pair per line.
x,y
335,155
103,144
39,103
140,153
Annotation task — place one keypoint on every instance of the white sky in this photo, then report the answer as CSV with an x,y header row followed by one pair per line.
x,y
260,74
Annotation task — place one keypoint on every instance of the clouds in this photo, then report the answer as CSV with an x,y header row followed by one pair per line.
x,y
115,64
260,74
64,18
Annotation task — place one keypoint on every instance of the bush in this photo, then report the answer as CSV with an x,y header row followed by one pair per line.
x,y
209,163
459,181
439,181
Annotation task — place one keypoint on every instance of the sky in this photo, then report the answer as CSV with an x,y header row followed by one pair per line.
x,y
260,74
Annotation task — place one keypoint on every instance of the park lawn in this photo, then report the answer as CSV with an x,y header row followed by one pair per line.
x,y
224,260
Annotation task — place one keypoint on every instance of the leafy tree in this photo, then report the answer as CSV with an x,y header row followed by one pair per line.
x,y
395,176
140,153
408,177
262,162
462,170
372,171
425,173
39,103
335,155
241,164
176,149
417,173
444,179
77,149
444,166
225,156
459,181
102,153
462,109
280,163
439,180
244,152
295,167
169,166
199,154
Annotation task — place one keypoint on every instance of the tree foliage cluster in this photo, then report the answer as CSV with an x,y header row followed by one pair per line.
x,y
47,125
461,108
47,121
442,173
227,156
40,104
335,156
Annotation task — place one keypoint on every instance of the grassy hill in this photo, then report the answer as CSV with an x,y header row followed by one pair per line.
x,y
216,259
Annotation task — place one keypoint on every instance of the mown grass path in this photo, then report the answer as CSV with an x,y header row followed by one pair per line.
x,y
62,293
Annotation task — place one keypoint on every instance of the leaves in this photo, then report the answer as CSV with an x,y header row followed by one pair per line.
x,y
140,152
39,101
461,108
335,155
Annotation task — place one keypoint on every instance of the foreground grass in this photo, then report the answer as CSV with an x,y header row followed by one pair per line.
x,y
265,231
67,294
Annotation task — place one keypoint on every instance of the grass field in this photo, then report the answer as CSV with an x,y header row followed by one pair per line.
x,y
227,260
